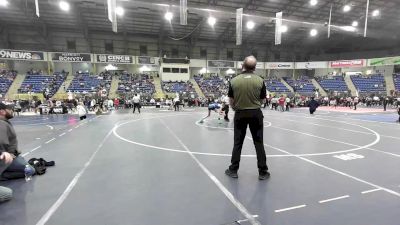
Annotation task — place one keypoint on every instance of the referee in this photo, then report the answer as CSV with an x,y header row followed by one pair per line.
x,y
247,92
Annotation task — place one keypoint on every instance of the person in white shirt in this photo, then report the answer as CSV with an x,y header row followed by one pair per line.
x,y
176,103
136,103
92,104
355,102
287,103
225,106
152,101
81,111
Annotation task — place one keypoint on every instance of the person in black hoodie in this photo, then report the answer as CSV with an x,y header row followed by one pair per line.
x,y
398,112
313,105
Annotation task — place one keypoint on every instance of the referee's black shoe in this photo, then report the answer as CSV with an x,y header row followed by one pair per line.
x,y
231,173
264,175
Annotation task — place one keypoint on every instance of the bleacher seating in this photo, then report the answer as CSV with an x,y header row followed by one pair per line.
x,y
335,83
212,86
369,84
302,85
40,83
396,80
179,86
84,82
6,79
138,83
275,85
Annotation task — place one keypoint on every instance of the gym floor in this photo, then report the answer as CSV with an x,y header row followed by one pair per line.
x,y
160,167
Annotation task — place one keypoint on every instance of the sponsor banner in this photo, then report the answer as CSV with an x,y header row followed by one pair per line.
x,y
260,65
221,64
146,60
117,59
348,63
311,65
71,57
384,61
22,55
279,65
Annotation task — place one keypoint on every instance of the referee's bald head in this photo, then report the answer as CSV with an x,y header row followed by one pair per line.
x,y
249,63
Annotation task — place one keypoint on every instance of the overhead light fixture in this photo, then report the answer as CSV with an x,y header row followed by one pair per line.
x,y
250,25
230,71
346,8
313,33
376,12
211,21
355,24
284,29
64,5
168,16
4,3
120,11
313,2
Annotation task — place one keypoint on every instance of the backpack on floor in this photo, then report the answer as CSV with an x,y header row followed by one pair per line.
x,y
40,165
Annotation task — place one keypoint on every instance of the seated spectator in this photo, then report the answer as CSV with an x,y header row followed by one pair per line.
x,y
12,165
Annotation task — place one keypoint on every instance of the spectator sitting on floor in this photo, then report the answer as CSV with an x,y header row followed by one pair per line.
x,y
12,165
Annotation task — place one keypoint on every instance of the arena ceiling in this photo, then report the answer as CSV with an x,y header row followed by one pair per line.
x,y
146,17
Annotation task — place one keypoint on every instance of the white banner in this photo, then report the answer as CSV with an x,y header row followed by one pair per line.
x,y
183,12
311,65
279,65
278,27
239,19
260,65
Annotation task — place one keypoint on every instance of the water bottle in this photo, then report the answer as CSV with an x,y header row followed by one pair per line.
x,y
28,173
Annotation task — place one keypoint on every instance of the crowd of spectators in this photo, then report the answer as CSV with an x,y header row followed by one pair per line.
x,y
396,80
333,83
301,85
178,86
6,79
275,85
137,83
84,82
40,83
371,84
213,85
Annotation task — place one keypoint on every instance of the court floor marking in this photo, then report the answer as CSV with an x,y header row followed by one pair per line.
x,y
336,171
367,148
355,131
45,218
228,155
29,152
290,208
223,189
371,121
50,140
370,191
334,199
358,147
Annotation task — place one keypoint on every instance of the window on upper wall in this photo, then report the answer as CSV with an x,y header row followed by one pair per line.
x,y
175,53
229,54
175,70
109,46
71,45
203,53
277,56
143,50
184,70
167,70
254,53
